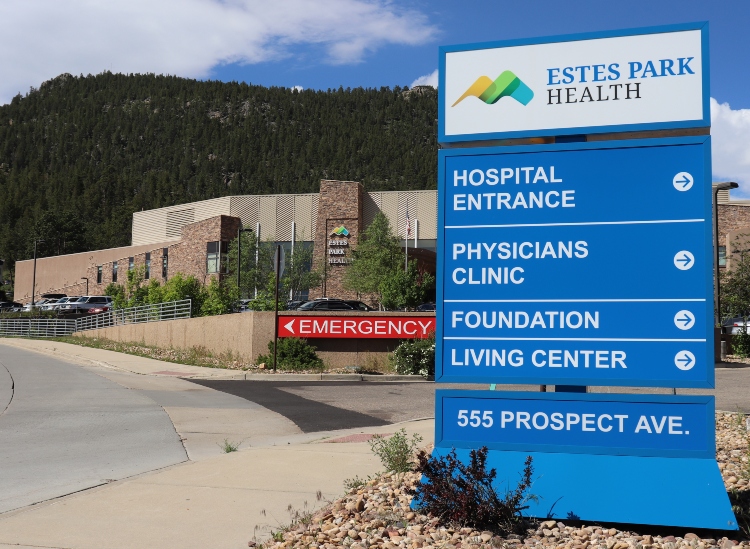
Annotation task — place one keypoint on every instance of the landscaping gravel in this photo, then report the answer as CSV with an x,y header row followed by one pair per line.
x,y
378,514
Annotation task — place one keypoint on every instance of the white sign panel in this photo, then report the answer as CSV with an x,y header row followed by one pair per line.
x,y
595,83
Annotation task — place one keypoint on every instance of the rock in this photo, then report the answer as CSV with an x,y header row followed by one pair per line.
x,y
486,536
612,532
550,524
360,505
251,544
648,540
262,366
690,536
727,544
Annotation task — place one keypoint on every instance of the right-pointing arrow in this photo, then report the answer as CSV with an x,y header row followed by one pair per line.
x,y
290,326
684,320
684,360
684,260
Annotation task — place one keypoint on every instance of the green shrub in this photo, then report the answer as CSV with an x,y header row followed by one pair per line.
x,y
461,494
36,313
397,452
218,298
293,354
741,343
415,357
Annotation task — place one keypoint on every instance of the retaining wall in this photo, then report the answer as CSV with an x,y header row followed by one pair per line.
x,y
248,335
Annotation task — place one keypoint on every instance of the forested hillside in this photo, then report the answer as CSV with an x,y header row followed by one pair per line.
x,y
79,155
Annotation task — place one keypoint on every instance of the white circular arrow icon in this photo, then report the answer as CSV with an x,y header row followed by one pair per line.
x,y
684,320
684,260
684,360
683,181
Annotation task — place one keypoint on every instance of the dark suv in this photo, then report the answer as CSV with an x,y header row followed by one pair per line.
x,y
326,305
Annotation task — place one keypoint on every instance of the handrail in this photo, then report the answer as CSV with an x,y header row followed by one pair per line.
x,y
36,327
156,312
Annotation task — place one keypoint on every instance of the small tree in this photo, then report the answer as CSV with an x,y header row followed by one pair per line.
x,y
406,289
735,293
376,257
117,292
255,265
298,275
735,282
219,298
185,287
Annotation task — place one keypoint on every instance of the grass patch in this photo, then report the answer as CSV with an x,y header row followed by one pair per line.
x,y
397,452
194,356
376,364
228,446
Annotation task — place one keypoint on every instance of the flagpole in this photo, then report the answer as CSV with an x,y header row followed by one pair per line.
x,y
406,241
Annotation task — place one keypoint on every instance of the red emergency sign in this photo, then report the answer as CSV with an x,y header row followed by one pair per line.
x,y
393,327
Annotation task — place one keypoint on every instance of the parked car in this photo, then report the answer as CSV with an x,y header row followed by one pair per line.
x,y
54,296
87,304
359,305
10,306
294,305
733,325
38,304
54,305
241,306
326,304
426,308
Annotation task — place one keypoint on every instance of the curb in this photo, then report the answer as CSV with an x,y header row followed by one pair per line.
x,y
316,377
719,365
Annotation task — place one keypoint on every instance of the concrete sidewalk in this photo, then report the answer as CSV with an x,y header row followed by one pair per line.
x,y
119,361
221,502
149,366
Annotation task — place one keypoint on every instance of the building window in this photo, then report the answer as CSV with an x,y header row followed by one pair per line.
x,y
722,256
98,274
147,273
216,257
131,263
164,262
114,271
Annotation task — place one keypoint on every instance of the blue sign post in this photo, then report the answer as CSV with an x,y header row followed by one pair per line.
x,y
577,264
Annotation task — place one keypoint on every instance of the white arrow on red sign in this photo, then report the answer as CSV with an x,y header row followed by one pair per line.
x,y
290,326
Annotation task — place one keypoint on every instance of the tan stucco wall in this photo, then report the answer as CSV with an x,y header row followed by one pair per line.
x,y
62,273
246,334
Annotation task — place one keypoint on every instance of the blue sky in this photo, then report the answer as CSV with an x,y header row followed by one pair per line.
x,y
325,44
458,22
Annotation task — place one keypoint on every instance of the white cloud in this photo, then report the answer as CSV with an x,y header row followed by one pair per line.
x,y
730,151
298,88
427,80
44,38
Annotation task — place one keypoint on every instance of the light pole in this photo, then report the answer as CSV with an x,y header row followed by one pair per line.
x,y
87,283
716,187
33,277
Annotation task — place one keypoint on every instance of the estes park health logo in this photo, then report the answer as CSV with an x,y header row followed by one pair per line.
x,y
340,231
505,85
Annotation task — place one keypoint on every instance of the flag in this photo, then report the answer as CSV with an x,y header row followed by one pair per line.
x,y
408,222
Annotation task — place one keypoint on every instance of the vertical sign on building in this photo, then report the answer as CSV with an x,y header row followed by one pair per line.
x,y
582,261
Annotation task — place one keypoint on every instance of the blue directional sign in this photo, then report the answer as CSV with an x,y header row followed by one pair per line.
x,y
587,263
640,425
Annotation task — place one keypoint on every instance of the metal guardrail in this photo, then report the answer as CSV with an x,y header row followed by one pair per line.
x,y
36,327
157,312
